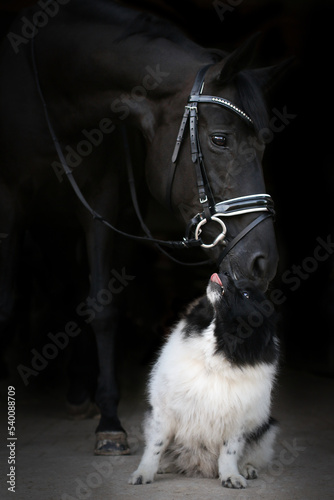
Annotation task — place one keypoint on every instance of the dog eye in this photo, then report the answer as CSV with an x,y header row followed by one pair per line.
x,y
246,295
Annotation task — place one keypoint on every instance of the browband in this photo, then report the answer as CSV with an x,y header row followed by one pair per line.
x,y
222,102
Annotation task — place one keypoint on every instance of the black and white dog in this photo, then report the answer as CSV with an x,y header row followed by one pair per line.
x,y
210,390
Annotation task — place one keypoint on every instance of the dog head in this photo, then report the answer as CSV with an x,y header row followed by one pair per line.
x,y
237,296
245,320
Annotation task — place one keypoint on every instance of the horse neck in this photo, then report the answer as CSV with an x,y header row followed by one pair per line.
x,y
147,86
125,79
157,88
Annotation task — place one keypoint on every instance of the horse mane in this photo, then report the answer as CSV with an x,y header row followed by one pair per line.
x,y
251,99
146,24
99,10
152,27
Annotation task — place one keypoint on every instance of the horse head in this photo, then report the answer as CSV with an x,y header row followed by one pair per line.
x,y
232,149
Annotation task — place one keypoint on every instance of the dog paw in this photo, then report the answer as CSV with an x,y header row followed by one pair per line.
x,y
141,477
249,472
234,481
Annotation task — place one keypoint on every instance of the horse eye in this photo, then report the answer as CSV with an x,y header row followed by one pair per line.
x,y
246,295
219,140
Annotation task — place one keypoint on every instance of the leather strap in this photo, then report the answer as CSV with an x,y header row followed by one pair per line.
x,y
221,101
202,180
241,235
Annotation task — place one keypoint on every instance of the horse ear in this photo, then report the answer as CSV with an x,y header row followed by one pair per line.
x,y
238,60
271,76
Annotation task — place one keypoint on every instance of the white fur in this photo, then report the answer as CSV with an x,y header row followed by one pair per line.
x,y
202,408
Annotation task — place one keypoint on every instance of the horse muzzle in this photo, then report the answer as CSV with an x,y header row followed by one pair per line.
x,y
253,256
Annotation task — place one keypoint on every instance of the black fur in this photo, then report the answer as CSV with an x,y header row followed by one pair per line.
x,y
151,27
260,431
244,331
199,317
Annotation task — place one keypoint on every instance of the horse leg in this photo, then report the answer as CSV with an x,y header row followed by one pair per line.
x,y
102,314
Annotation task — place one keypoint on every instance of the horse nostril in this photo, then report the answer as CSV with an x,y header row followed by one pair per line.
x,y
259,267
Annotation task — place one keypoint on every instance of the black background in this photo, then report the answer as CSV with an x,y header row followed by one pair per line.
x,y
299,175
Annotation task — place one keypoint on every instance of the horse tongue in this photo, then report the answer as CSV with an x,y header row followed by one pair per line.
x,y
215,278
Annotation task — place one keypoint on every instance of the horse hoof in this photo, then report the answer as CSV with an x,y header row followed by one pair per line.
x,y
111,443
87,409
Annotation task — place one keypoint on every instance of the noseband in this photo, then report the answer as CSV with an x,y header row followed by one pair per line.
x,y
213,211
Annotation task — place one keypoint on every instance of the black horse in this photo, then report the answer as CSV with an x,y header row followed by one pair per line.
x,y
96,76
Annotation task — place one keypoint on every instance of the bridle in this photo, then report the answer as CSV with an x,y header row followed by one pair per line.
x,y
211,211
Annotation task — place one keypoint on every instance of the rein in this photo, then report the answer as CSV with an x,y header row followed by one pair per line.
x,y
171,244
211,210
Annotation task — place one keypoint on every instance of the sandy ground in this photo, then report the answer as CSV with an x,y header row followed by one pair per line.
x,y
54,459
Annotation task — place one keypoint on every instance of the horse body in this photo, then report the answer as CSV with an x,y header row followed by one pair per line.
x,y
101,65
